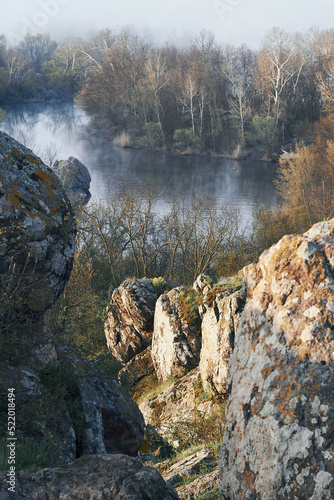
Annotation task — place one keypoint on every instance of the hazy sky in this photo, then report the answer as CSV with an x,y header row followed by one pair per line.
x,y
232,21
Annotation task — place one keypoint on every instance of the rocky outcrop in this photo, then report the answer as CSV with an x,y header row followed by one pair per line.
x,y
203,283
175,344
140,366
37,232
279,442
221,313
175,409
75,178
207,483
130,315
104,477
73,408
112,422
190,466
175,402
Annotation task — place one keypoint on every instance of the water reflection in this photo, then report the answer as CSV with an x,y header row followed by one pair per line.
x,y
246,184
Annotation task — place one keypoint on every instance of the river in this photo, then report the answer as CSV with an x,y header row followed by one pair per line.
x,y
60,130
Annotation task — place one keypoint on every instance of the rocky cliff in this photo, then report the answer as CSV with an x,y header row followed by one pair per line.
x,y
129,324
37,229
279,442
65,406
176,343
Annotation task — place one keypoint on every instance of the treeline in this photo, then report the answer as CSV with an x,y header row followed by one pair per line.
x,y
38,67
208,96
204,97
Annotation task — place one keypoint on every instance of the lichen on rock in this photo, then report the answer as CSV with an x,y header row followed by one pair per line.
x,y
130,316
175,343
37,231
280,416
219,324
75,178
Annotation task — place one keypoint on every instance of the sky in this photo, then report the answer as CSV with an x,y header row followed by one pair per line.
x,y
174,21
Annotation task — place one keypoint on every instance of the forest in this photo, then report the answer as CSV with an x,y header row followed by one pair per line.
x,y
206,97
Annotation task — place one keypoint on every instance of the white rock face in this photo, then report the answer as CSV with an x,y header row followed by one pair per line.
x,y
219,324
175,344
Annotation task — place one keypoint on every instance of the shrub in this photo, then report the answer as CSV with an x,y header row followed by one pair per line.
x,y
189,302
159,285
153,137
184,139
123,140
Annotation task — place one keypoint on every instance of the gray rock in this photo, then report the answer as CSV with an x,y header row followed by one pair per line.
x,y
37,233
219,324
202,283
113,422
137,368
190,466
75,178
278,442
105,477
129,324
199,486
175,344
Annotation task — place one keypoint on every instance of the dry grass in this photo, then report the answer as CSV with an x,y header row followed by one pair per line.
x,y
123,140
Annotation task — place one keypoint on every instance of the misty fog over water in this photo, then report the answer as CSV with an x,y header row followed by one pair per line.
x,y
59,130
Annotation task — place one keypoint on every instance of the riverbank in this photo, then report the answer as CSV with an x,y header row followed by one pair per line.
x,y
255,153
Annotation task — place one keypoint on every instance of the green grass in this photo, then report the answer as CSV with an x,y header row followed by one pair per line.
x,y
149,388
210,495
232,283
189,301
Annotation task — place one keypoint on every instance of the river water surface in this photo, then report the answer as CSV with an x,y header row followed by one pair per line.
x,y
59,130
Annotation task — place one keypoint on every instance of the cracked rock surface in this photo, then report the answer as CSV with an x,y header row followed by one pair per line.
x,y
279,441
130,315
37,230
103,477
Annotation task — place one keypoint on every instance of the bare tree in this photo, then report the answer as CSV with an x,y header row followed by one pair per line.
x,y
237,67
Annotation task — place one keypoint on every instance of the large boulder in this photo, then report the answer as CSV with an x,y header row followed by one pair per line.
x,y
176,343
278,442
221,313
37,232
75,178
103,477
130,315
112,422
